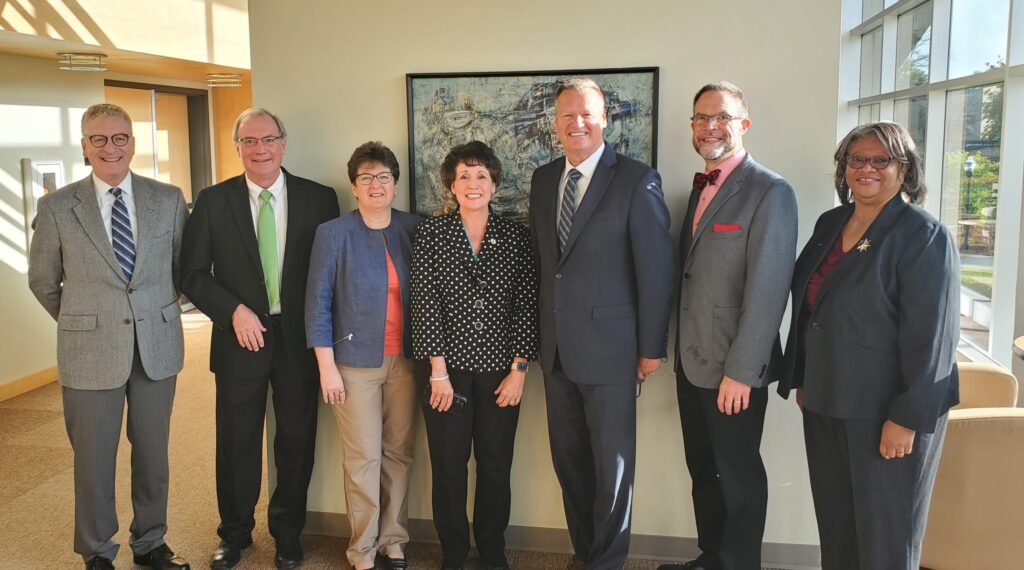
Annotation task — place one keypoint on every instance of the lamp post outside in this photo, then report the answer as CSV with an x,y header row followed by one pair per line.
x,y
969,166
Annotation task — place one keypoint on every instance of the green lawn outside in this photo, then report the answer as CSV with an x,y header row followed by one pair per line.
x,y
977,280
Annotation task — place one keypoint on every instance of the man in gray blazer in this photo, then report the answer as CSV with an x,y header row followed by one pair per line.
x,y
604,253
104,264
737,248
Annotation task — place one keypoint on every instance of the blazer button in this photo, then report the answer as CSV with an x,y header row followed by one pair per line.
x,y
131,290
558,275
816,325
479,304
127,321
686,275
478,325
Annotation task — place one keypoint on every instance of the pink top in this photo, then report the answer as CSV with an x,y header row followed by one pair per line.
x,y
393,319
709,193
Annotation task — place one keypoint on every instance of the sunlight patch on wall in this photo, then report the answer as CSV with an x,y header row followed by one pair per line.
x,y
23,126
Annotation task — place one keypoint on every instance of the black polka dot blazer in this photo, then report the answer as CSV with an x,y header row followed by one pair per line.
x,y
477,313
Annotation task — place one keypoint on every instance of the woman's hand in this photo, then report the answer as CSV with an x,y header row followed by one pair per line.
x,y
331,385
441,394
510,391
897,441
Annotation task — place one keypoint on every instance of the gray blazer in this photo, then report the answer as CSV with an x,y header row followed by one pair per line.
x,y
736,272
101,315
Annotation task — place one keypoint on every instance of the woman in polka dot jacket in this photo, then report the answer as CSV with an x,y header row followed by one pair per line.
x,y
474,315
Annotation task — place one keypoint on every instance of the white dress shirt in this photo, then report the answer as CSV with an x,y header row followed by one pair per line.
x,y
279,201
106,202
586,168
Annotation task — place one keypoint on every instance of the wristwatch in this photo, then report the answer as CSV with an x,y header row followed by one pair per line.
x,y
520,367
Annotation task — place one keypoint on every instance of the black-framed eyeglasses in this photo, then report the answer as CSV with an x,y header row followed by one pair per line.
x,y
367,179
100,141
723,118
857,162
250,142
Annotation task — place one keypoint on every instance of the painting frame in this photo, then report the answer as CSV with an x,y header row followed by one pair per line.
x,y
516,110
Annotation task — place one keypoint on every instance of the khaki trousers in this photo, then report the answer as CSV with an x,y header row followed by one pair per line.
x,y
377,424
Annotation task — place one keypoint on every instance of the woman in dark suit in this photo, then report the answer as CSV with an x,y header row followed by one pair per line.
x,y
871,353
474,315
357,322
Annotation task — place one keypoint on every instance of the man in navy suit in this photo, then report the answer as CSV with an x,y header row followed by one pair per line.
x,y
601,233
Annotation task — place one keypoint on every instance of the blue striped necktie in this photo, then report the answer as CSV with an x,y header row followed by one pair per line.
x,y
568,209
121,235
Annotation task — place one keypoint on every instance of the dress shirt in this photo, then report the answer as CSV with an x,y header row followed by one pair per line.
x,y
106,201
711,190
586,169
279,200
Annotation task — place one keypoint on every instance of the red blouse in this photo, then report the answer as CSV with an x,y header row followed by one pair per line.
x,y
393,321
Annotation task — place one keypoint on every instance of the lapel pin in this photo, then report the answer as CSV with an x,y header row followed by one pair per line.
x,y
864,245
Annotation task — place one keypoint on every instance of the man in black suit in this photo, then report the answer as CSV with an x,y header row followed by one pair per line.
x,y
601,233
245,256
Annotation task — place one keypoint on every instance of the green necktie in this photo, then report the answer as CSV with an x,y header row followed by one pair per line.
x,y
266,235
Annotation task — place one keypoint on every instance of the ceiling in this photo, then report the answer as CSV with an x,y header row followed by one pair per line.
x,y
118,61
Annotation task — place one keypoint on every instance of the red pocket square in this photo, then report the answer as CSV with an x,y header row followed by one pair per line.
x,y
726,228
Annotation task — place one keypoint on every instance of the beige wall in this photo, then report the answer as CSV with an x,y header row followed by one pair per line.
x,y
335,72
40,110
210,31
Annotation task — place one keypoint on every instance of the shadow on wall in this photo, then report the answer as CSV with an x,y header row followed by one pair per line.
x,y
48,137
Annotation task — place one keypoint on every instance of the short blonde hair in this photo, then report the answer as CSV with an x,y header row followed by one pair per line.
x,y
105,110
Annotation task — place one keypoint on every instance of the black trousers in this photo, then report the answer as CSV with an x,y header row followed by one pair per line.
x,y
871,511
592,428
730,487
241,411
489,432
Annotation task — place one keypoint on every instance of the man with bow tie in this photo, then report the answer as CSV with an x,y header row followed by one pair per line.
x,y
104,264
737,249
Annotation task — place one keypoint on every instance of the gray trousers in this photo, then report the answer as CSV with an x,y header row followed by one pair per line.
x,y
93,420
871,511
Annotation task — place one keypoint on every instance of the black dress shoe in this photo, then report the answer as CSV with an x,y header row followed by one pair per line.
x,y
226,556
289,554
161,558
99,563
393,563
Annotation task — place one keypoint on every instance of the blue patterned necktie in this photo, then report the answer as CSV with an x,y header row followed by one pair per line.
x,y
121,235
568,209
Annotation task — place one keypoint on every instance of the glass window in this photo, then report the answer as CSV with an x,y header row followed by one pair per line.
x,y
977,36
870,8
912,113
871,63
913,46
970,196
869,113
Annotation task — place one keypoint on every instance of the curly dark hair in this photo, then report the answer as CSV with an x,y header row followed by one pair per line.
x,y
370,152
898,143
473,153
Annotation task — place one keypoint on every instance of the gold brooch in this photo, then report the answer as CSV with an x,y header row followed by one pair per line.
x,y
863,245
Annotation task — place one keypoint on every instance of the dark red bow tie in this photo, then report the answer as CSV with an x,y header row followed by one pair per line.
x,y
701,180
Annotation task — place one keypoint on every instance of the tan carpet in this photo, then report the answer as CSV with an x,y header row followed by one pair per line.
x,y
37,500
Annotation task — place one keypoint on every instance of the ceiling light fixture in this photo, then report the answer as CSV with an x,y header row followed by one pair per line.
x,y
82,61
223,80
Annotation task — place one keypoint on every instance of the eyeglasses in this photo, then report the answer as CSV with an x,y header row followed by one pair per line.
x,y
724,118
250,142
100,141
367,179
857,162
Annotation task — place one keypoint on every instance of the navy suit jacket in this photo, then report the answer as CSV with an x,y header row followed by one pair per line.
x,y
604,301
881,340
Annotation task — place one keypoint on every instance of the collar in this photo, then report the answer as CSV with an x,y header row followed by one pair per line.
x,y
588,166
102,187
276,188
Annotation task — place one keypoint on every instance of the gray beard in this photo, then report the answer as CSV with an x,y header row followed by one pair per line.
x,y
716,153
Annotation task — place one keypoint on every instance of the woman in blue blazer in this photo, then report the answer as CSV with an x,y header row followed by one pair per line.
x,y
871,353
358,324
